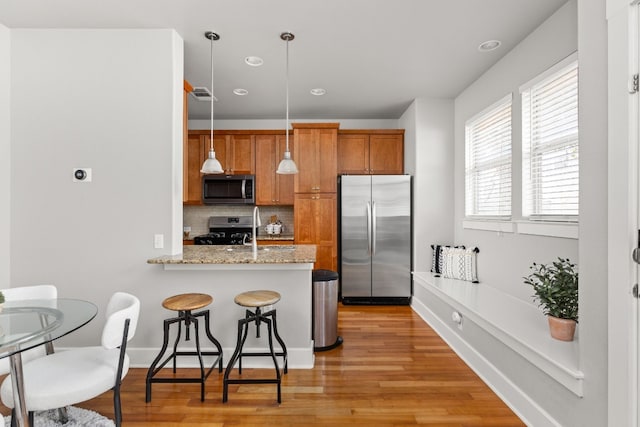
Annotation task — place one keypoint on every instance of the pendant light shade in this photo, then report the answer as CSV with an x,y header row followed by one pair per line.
x,y
211,165
287,166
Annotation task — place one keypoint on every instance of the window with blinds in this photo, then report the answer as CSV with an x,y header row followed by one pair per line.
x,y
488,162
550,144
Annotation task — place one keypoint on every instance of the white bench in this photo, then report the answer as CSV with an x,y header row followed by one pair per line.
x,y
519,325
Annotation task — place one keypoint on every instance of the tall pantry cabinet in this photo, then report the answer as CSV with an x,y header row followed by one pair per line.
x,y
315,200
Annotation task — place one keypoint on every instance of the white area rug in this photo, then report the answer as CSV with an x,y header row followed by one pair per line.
x,y
77,417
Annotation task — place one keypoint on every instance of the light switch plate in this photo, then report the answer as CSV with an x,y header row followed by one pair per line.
x,y
158,241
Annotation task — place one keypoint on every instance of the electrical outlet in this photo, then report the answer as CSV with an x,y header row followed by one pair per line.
x,y
457,319
158,241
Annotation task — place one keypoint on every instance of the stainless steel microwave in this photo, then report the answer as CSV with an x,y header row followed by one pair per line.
x,y
228,189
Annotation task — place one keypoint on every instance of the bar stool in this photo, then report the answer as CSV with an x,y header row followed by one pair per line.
x,y
184,304
257,300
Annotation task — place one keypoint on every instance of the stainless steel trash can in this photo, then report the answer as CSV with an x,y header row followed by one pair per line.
x,y
325,310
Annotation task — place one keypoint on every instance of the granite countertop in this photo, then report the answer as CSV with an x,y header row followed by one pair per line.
x,y
262,237
267,254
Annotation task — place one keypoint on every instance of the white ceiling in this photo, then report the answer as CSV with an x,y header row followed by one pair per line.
x,y
373,57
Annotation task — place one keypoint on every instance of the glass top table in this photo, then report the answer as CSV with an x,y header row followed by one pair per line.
x,y
25,324
28,323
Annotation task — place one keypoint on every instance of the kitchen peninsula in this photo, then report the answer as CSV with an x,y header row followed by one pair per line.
x,y
230,270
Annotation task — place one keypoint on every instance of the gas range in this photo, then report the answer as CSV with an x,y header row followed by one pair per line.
x,y
226,230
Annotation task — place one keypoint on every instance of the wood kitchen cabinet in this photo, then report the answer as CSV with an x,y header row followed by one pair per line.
x,y
271,187
236,153
196,153
316,155
197,150
371,152
240,159
316,223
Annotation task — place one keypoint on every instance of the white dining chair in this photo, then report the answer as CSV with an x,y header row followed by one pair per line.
x,y
73,376
29,293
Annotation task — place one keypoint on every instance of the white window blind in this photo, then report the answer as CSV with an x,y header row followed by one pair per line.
x,y
488,162
550,144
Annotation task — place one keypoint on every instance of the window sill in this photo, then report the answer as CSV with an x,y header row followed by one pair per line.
x,y
566,230
489,225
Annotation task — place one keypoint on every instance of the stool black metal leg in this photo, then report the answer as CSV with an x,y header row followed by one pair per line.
x,y
249,317
215,342
152,368
244,339
280,341
187,317
199,354
242,334
273,355
175,344
243,326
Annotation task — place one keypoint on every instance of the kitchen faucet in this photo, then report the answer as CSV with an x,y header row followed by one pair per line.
x,y
255,224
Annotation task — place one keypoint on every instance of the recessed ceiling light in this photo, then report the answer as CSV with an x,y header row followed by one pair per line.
x,y
318,91
489,45
241,92
254,61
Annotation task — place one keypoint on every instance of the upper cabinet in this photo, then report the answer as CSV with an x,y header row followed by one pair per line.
x,y
320,150
316,155
371,152
235,152
195,155
272,188
240,159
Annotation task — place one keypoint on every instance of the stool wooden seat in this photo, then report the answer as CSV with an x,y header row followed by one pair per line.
x,y
257,300
184,304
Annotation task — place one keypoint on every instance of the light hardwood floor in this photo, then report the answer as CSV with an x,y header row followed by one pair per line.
x,y
392,370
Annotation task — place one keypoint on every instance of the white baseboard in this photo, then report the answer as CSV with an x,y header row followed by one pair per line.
x,y
298,358
520,403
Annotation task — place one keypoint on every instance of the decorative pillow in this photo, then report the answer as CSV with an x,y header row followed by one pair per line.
x,y
460,263
436,258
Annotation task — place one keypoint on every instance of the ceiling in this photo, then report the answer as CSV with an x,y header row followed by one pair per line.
x,y
373,57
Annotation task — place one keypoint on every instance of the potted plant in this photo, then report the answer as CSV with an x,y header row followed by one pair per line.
x,y
1,300
556,291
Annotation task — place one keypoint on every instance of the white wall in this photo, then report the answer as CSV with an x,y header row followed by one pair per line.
x,y
505,258
429,158
103,99
5,156
593,263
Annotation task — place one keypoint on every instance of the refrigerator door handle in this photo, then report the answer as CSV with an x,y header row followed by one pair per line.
x,y
373,230
369,227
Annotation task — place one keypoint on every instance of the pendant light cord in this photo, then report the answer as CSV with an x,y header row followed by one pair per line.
x,y
212,95
287,92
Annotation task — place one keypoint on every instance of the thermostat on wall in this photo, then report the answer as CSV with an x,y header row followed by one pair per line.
x,y
81,174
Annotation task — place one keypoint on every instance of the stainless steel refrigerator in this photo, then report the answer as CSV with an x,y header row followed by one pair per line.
x,y
375,239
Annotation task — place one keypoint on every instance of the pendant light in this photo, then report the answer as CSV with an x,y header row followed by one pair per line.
x,y
211,165
287,166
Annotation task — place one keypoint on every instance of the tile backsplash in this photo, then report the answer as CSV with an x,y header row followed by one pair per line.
x,y
197,217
